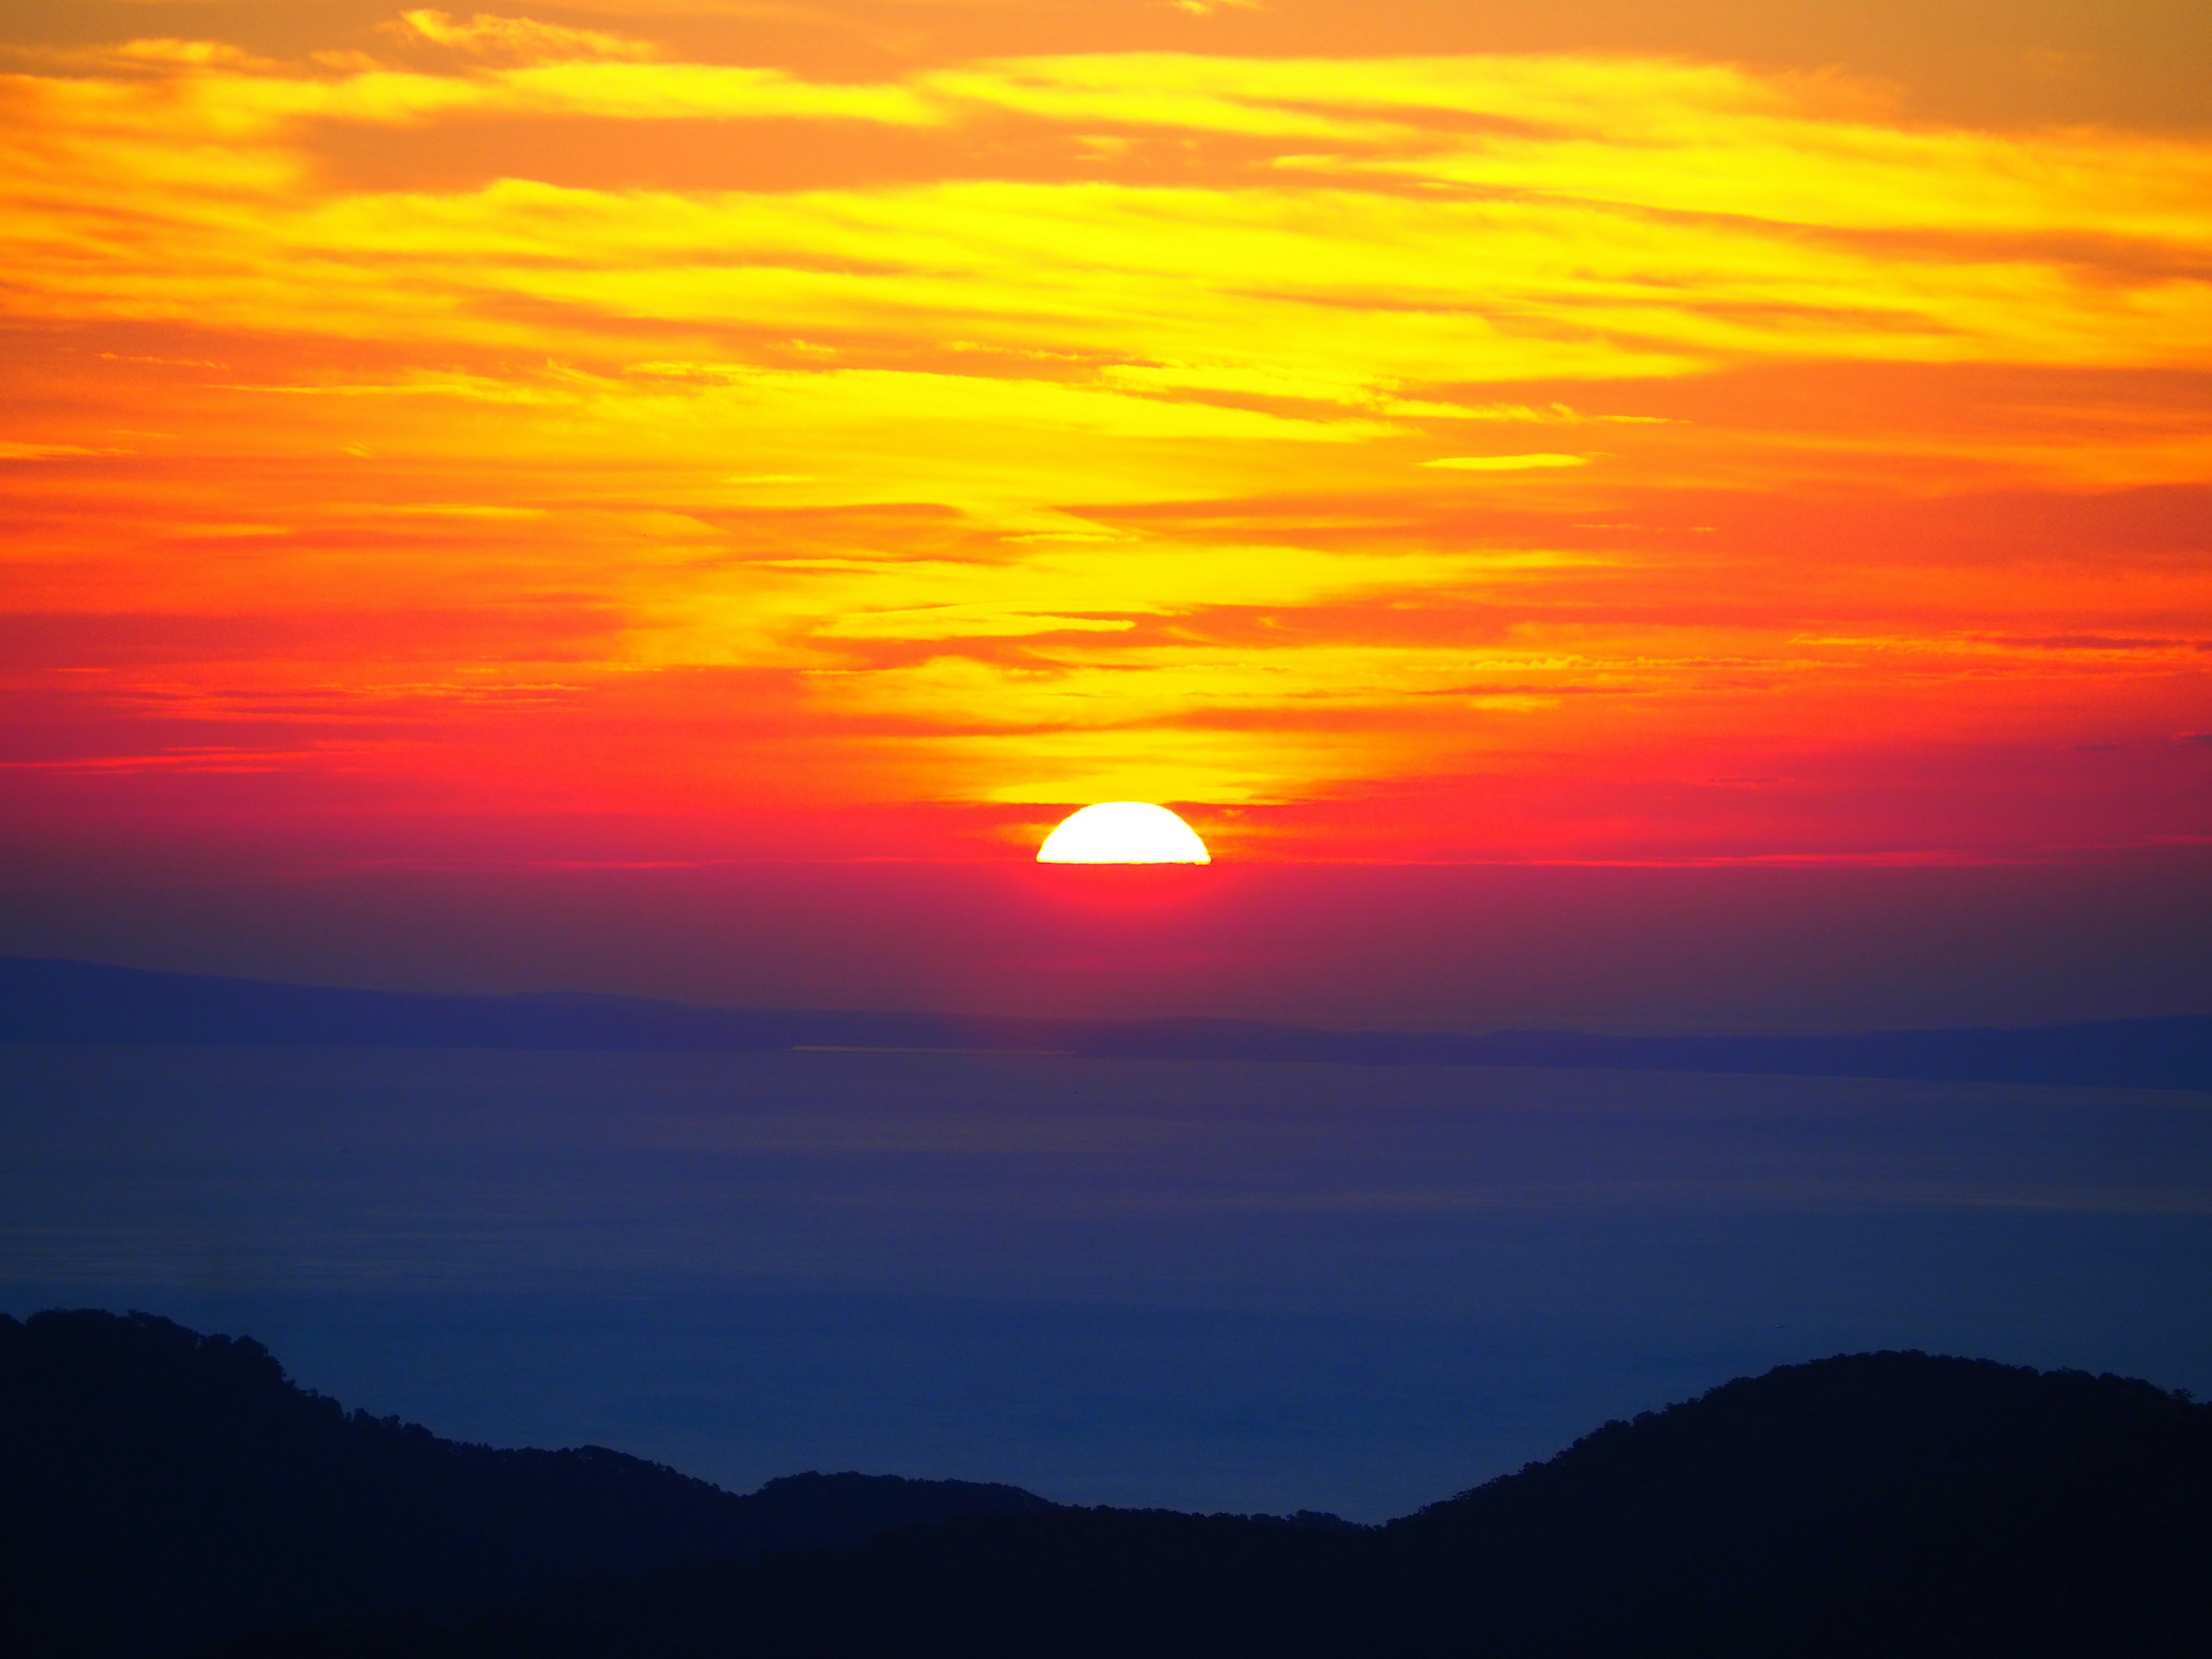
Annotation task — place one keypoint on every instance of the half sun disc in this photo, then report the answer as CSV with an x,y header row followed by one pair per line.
x,y
1123,832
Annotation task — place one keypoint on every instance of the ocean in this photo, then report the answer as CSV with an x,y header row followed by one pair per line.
x,y
1231,1286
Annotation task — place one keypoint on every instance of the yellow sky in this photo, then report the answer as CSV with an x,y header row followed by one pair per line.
x,y
684,409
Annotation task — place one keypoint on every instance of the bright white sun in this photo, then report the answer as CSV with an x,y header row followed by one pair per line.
x,y
1123,832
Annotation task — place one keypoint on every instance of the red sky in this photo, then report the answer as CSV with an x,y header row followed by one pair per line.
x,y
696,433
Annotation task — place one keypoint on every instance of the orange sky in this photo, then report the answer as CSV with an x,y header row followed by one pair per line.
x,y
637,432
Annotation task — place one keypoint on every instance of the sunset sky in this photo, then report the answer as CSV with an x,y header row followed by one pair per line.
x,y
666,432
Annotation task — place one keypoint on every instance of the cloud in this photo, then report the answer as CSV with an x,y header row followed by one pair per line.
x,y
1506,463
16,450
994,453
952,621
521,38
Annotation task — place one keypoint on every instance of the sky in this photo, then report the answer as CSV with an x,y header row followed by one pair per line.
x,y
665,436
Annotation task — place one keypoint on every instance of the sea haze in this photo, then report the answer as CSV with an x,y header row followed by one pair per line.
x,y
1210,1285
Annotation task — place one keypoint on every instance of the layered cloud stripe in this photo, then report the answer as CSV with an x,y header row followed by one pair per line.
x,y
1587,457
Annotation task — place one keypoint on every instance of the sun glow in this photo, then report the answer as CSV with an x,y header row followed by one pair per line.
x,y
678,437
1123,832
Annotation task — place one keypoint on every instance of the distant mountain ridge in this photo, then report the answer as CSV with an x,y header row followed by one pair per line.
x,y
49,1001
161,1490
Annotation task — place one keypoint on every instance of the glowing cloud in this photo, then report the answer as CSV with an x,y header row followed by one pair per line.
x,y
1506,463
548,421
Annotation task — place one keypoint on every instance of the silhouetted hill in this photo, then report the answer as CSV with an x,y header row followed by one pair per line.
x,y
87,1002
1887,1502
162,1490
1890,1504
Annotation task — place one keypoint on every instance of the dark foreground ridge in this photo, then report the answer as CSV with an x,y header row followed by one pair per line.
x,y
1890,1504
161,1490
166,1488
87,1002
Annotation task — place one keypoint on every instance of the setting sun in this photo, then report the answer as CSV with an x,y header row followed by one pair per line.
x,y
1123,832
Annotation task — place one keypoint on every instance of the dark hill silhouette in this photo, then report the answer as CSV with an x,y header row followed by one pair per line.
x,y
87,1002
1890,1504
1887,1502
166,1492
161,1490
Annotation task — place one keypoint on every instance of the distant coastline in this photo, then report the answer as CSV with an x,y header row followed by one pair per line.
x,y
79,1002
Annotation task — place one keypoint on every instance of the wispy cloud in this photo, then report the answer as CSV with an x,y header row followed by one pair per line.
x,y
1131,424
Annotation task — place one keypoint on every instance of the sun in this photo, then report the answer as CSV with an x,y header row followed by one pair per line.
x,y
1123,832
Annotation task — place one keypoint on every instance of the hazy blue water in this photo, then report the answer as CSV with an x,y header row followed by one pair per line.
x,y
1209,1286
